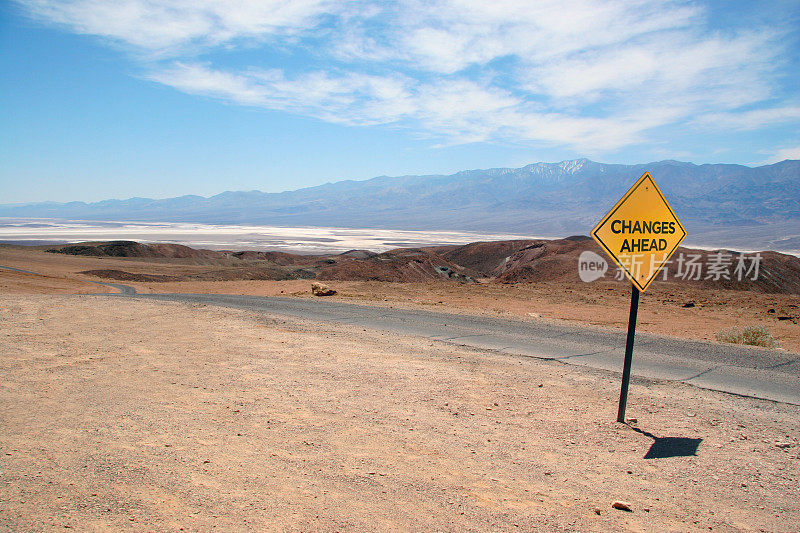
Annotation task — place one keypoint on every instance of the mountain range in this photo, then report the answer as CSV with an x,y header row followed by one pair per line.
x,y
719,204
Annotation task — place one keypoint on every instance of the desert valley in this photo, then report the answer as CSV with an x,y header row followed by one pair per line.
x,y
523,278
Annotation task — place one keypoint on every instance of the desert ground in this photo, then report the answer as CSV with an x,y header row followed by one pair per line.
x,y
241,422
125,414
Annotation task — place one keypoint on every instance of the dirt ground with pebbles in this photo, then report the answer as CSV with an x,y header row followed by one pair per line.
x,y
157,416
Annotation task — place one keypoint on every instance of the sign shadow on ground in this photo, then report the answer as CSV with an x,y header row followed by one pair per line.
x,y
664,447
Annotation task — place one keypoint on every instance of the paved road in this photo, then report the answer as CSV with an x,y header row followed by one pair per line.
x,y
761,373
757,372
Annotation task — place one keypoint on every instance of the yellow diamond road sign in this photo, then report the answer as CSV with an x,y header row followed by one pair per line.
x,y
641,232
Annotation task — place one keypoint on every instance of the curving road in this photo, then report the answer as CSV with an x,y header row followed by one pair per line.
x,y
748,371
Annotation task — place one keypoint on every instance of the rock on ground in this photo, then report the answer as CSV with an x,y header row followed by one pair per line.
x,y
320,289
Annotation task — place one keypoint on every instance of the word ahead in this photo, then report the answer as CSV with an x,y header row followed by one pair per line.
x,y
640,232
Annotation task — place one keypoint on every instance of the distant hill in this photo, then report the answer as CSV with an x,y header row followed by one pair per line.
x,y
720,204
507,262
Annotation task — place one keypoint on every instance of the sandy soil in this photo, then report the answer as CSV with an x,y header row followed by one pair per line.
x,y
112,420
604,304
12,282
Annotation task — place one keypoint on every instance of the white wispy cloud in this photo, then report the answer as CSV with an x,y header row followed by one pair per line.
x,y
792,152
357,99
172,27
459,109
450,35
596,75
753,119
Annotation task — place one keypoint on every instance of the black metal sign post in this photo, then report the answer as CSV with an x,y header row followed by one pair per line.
x,y
626,369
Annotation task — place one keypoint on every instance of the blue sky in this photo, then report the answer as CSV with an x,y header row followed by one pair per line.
x,y
120,98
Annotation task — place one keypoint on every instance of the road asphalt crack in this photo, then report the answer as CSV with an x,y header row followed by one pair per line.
x,y
706,371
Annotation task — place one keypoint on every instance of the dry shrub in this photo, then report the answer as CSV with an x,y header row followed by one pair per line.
x,y
750,335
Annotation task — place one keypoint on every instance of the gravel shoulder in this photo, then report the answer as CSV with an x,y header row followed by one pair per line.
x,y
114,419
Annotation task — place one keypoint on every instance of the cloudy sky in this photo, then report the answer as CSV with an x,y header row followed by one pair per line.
x,y
120,98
